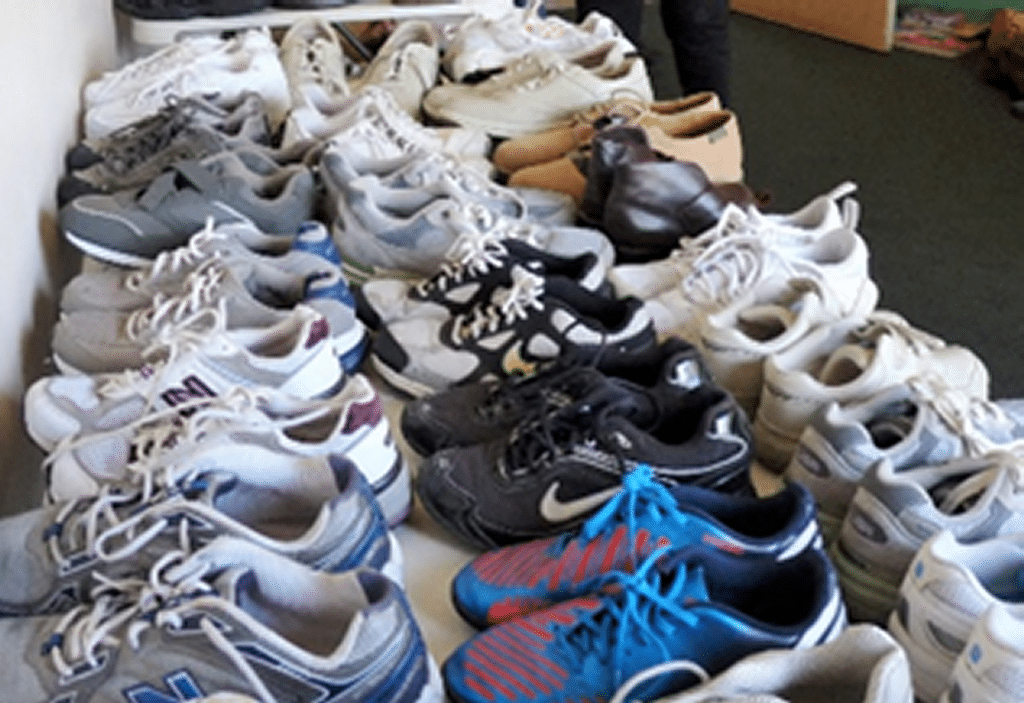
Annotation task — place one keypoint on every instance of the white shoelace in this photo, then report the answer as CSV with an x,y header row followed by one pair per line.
x,y
173,261
472,254
509,305
967,416
124,609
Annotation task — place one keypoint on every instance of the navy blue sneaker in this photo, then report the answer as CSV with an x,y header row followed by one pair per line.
x,y
691,612
514,581
557,469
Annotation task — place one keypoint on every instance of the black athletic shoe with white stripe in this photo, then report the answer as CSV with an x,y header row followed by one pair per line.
x,y
523,326
558,468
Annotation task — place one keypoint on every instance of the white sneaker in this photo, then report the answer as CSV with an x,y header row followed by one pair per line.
x,y
893,513
406,65
846,361
820,216
296,356
143,72
735,341
269,429
247,295
370,127
751,263
862,665
483,44
116,288
920,421
246,62
947,589
314,64
991,668
539,91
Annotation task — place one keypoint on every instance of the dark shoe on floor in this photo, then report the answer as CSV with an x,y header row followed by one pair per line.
x,y
185,9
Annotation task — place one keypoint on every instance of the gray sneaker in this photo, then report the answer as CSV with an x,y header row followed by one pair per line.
x,y
130,228
56,553
921,421
893,513
188,129
250,295
230,617
274,431
116,288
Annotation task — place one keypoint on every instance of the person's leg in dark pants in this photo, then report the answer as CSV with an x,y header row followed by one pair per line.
x,y
625,13
698,31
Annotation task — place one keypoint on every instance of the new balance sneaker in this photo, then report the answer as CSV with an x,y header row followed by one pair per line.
x,y
477,265
735,340
130,228
689,612
477,413
271,430
846,361
920,421
296,357
825,213
539,91
991,668
247,296
187,129
230,617
862,665
946,591
894,512
482,44
558,468
222,68
531,322
406,65
645,515
110,288
57,553
752,264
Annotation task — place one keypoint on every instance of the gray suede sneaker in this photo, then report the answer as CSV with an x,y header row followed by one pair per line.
x,y
130,228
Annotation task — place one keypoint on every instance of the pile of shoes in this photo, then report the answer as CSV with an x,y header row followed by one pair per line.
x,y
599,333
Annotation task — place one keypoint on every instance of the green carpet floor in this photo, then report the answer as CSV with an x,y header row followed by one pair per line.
x,y
938,159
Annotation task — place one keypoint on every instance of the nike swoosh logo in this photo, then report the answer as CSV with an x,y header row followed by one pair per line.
x,y
513,362
554,510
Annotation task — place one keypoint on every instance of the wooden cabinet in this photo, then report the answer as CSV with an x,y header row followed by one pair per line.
x,y
867,23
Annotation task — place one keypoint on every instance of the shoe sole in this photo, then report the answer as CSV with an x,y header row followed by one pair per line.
x,y
402,383
104,254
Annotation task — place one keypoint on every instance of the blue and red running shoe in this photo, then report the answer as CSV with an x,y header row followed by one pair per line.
x,y
512,581
684,615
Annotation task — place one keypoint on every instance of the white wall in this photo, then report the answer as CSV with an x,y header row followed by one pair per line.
x,y
48,49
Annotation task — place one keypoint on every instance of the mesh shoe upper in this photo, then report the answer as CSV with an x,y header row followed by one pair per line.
x,y
513,581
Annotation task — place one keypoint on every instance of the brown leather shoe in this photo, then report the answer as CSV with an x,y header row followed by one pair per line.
x,y
543,147
647,201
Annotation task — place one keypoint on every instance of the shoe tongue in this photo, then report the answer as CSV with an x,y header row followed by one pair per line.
x,y
683,371
680,580
845,364
232,583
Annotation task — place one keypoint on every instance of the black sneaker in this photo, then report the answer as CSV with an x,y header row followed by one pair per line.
x,y
482,412
556,470
522,327
480,264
